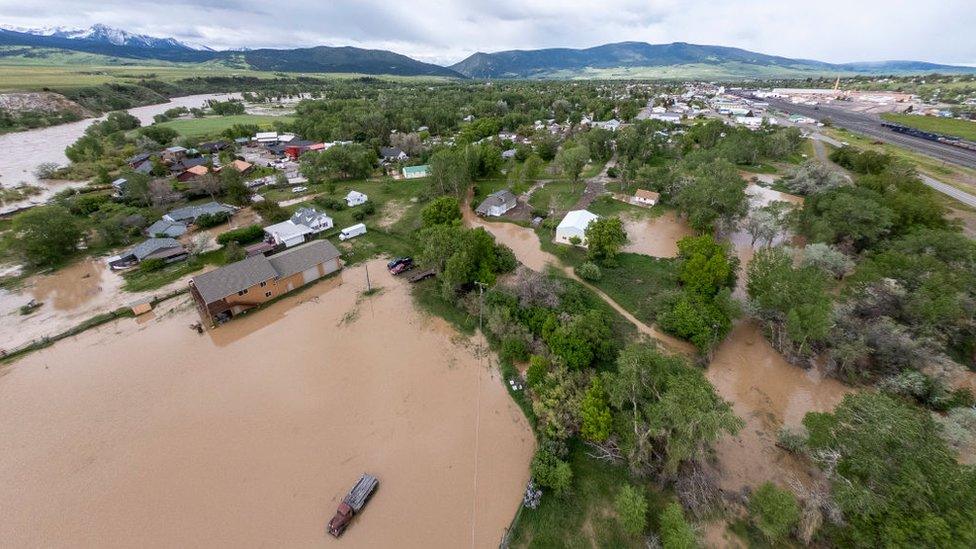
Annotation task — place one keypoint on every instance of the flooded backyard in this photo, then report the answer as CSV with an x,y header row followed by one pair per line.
x,y
152,435
656,236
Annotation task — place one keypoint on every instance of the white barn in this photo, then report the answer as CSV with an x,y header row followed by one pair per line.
x,y
574,225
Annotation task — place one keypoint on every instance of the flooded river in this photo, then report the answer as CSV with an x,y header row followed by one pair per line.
x,y
152,435
24,151
768,393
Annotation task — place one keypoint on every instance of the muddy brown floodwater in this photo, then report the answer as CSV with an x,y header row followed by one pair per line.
x,y
657,236
152,435
768,393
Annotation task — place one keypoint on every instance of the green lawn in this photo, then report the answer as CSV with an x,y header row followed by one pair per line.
x,y
141,281
637,282
557,196
214,125
964,129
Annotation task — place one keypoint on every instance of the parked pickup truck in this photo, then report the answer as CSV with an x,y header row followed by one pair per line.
x,y
352,504
400,265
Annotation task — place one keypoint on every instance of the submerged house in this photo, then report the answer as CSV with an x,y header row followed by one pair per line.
x,y
224,293
497,203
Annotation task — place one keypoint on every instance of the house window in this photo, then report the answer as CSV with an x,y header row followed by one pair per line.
x,y
263,284
242,292
267,294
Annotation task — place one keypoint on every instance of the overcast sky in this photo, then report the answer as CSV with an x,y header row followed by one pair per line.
x,y
448,30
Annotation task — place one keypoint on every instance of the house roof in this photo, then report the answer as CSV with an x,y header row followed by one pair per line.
x,y
189,213
198,170
503,197
153,245
577,219
169,228
287,229
138,158
354,195
241,166
307,216
305,256
390,152
230,279
410,170
647,195
176,149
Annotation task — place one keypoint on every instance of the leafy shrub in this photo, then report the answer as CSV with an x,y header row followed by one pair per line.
x,y
675,531
589,271
208,220
514,350
151,265
774,512
538,367
549,470
234,252
632,509
244,235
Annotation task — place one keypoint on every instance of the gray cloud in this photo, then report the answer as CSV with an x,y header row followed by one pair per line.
x,y
446,31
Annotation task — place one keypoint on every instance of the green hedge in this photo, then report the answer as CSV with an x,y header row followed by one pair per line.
x,y
244,235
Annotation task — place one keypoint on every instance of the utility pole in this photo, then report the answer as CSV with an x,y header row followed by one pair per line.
x,y
481,306
368,287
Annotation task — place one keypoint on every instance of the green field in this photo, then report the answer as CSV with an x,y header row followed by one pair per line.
x,y
964,129
71,72
214,125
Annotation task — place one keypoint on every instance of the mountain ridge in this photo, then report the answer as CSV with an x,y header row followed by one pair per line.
x,y
678,60
556,62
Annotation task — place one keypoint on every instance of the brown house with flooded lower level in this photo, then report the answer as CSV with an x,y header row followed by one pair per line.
x,y
232,289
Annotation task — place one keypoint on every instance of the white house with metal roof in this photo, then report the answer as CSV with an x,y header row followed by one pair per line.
x,y
574,226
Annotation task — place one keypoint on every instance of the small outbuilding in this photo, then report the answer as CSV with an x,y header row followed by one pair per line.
x,y
644,197
415,172
574,226
287,233
355,198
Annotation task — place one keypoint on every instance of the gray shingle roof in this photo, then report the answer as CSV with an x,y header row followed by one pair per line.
x,y
230,279
190,213
503,197
168,228
299,258
153,245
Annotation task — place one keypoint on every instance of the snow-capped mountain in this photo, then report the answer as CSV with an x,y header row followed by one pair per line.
x,y
103,34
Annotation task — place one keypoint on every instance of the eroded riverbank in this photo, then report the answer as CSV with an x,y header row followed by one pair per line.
x,y
152,435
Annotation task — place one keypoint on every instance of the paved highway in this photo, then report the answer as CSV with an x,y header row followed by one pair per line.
x,y
870,125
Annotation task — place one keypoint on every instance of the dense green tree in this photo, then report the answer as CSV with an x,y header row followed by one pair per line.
x,y
895,479
706,265
792,300
448,173
855,216
443,210
673,412
571,160
552,472
604,238
45,235
714,197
